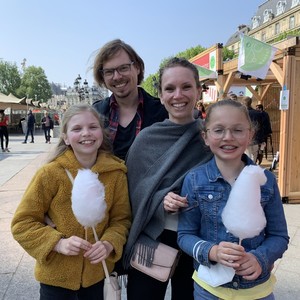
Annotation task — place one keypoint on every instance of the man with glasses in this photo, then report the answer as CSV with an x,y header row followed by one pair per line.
x,y
130,108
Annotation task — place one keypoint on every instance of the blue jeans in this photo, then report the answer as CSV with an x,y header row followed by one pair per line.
x,y
49,292
202,294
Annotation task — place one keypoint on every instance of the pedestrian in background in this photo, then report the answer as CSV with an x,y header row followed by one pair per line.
x,y
47,125
266,129
4,131
130,108
68,259
30,127
257,121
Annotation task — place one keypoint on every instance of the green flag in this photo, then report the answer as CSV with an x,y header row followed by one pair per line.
x,y
255,57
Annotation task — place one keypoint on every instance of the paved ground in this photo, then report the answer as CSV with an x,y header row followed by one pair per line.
x,y
16,267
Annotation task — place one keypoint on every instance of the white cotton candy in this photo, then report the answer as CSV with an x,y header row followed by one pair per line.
x,y
243,215
88,198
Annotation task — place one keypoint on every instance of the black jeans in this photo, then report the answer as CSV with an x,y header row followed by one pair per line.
x,y
4,134
29,131
47,134
144,287
49,292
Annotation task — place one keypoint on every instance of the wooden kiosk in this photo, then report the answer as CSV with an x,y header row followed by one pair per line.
x,y
284,72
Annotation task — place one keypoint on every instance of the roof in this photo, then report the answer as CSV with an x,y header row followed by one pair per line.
x,y
266,11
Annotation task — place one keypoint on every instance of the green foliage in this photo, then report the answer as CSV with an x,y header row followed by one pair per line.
x,y
150,84
190,53
10,78
227,54
285,34
34,85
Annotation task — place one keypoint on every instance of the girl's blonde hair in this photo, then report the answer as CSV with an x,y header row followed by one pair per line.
x,y
72,111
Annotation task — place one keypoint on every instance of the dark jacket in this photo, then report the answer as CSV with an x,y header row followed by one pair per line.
x,y
30,120
256,119
154,111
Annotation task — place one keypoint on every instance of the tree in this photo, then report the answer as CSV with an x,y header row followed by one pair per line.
x,y
150,83
34,84
227,54
10,78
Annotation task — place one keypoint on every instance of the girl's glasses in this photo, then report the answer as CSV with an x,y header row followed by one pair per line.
x,y
219,133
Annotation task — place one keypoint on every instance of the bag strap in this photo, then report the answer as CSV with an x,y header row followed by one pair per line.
x,y
94,231
70,175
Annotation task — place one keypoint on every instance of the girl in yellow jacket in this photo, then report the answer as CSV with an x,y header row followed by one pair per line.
x,y
68,265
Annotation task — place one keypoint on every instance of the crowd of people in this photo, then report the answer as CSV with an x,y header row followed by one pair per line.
x,y
168,173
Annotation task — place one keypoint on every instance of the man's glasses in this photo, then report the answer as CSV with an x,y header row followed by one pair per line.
x,y
219,133
122,70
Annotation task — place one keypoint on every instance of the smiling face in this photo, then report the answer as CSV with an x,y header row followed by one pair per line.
x,y
179,93
236,129
121,85
84,135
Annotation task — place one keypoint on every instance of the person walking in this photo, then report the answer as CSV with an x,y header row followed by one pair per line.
x,y
130,108
68,257
47,125
4,131
30,127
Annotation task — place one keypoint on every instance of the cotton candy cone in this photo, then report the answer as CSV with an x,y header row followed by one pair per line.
x,y
243,215
88,198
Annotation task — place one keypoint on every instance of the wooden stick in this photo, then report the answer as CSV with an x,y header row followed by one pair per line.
x,y
103,261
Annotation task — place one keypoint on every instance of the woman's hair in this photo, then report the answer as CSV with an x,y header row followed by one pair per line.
x,y
2,115
71,112
227,102
108,51
177,62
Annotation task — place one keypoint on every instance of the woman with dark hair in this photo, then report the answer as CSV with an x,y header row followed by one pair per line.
x,y
157,162
4,131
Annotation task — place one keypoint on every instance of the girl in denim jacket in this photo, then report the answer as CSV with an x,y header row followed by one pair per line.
x,y
201,233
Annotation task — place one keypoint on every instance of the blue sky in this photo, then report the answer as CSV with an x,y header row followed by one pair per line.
x,y
61,36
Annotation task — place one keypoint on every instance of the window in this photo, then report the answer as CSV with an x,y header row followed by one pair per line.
x,y
295,3
263,36
280,7
292,22
277,28
255,22
268,15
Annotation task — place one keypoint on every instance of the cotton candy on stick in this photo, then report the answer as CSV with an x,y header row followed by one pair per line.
x,y
88,199
243,215
88,202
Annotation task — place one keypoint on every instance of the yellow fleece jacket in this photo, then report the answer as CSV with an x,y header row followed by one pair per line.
x,y
50,193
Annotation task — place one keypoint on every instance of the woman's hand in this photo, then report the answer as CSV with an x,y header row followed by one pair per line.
x,y
98,252
174,202
72,246
249,267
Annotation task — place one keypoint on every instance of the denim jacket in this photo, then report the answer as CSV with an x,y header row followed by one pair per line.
x,y
200,225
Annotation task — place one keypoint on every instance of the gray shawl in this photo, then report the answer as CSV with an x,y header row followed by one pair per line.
x,y
157,162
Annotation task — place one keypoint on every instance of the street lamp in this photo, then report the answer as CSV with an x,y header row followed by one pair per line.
x,y
155,86
82,90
